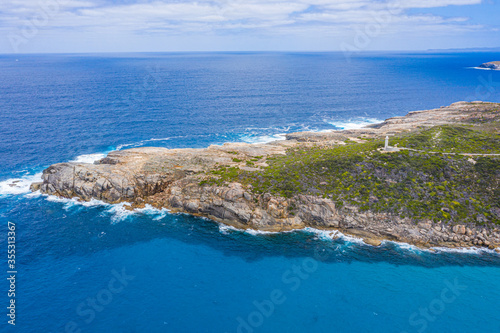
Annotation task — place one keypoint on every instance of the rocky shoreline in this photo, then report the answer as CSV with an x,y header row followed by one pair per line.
x,y
493,65
173,179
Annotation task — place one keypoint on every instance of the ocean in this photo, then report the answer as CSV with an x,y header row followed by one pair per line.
x,y
94,267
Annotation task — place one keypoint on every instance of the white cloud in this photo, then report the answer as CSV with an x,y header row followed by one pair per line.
x,y
260,17
435,3
85,13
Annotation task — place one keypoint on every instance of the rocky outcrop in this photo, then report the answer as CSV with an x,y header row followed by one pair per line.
x,y
235,205
456,113
107,184
495,65
173,178
142,172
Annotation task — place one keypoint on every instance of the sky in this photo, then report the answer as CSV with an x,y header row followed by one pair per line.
x,y
76,26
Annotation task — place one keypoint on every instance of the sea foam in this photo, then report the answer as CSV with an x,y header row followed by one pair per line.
x,y
226,229
263,138
17,186
89,158
483,69
140,143
353,123
117,212
467,250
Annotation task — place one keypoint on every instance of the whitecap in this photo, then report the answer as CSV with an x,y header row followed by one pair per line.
x,y
255,232
353,123
35,194
405,246
89,158
323,234
140,143
483,69
16,186
119,212
466,250
334,234
75,202
152,211
255,139
331,235
352,239
226,229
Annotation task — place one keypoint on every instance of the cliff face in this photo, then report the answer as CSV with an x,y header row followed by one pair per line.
x,y
174,179
233,205
139,173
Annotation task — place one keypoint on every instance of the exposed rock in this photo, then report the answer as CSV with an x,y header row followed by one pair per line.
x,y
172,178
35,186
373,242
459,229
495,65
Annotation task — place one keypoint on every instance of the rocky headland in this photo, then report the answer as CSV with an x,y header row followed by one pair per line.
x,y
428,193
495,65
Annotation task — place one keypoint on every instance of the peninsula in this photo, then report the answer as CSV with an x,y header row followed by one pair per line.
x,y
494,65
437,184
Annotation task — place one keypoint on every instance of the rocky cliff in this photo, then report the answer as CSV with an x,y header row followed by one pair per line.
x,y
177,180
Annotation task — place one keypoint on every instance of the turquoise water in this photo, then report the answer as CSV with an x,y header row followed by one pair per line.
x,y
99,268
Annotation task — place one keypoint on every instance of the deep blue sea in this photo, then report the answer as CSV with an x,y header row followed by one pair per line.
x,y
95,268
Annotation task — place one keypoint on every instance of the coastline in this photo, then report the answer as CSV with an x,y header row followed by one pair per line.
x,y
119,212
492,65
170,179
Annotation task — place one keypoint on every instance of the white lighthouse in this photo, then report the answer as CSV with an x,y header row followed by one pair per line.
x,y
389,148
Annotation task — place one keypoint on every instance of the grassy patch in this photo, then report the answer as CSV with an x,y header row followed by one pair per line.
x,y
409,184
452,139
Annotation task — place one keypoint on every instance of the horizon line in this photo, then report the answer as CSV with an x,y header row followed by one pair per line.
x,y
451,50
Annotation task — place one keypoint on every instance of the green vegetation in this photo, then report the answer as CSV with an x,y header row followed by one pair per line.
x,y
414,184
452,139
